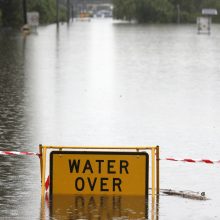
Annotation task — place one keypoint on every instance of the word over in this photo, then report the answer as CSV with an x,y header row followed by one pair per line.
x,y
98,175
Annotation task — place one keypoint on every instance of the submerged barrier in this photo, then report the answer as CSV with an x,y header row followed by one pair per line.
x,y
114,158
154,157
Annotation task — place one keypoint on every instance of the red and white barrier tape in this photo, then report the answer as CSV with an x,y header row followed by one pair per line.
x,y
18,153
193,161
168,158
47,183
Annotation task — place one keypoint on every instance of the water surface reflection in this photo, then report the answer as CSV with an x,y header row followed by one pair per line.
x,y
99,207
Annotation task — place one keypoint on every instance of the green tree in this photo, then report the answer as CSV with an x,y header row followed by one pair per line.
x,y
119,11
163,10
187,8
11,12
143,10
46,9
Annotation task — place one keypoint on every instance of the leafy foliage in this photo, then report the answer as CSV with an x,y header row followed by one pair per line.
x,y
46,9
159,11
11,11
162,10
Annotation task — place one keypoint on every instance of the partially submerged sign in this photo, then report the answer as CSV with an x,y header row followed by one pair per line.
x,y
204,25
33,18
98,173
209,11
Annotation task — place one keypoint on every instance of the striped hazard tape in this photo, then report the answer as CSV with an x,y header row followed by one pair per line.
x,y
192,160
18,153
168,158
47,183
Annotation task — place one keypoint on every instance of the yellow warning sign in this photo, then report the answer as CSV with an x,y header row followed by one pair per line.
x,y
98,173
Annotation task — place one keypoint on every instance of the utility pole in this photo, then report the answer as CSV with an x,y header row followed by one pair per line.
x,y
72,12
57,12
178,13
24,4
68,10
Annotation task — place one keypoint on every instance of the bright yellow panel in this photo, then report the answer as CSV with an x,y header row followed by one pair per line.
x,y
98,173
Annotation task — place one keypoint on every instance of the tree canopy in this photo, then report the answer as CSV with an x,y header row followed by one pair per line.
x,y
11,11
162,11
153,11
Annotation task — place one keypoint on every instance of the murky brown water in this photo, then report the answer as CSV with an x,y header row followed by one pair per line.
x,y
104,83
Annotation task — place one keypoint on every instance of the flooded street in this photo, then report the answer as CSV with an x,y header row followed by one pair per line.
x,y
106,83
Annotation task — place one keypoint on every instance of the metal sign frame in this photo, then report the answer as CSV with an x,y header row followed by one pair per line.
x,y
155,168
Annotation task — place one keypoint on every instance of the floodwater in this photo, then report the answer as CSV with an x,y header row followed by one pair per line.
x,y
110,83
